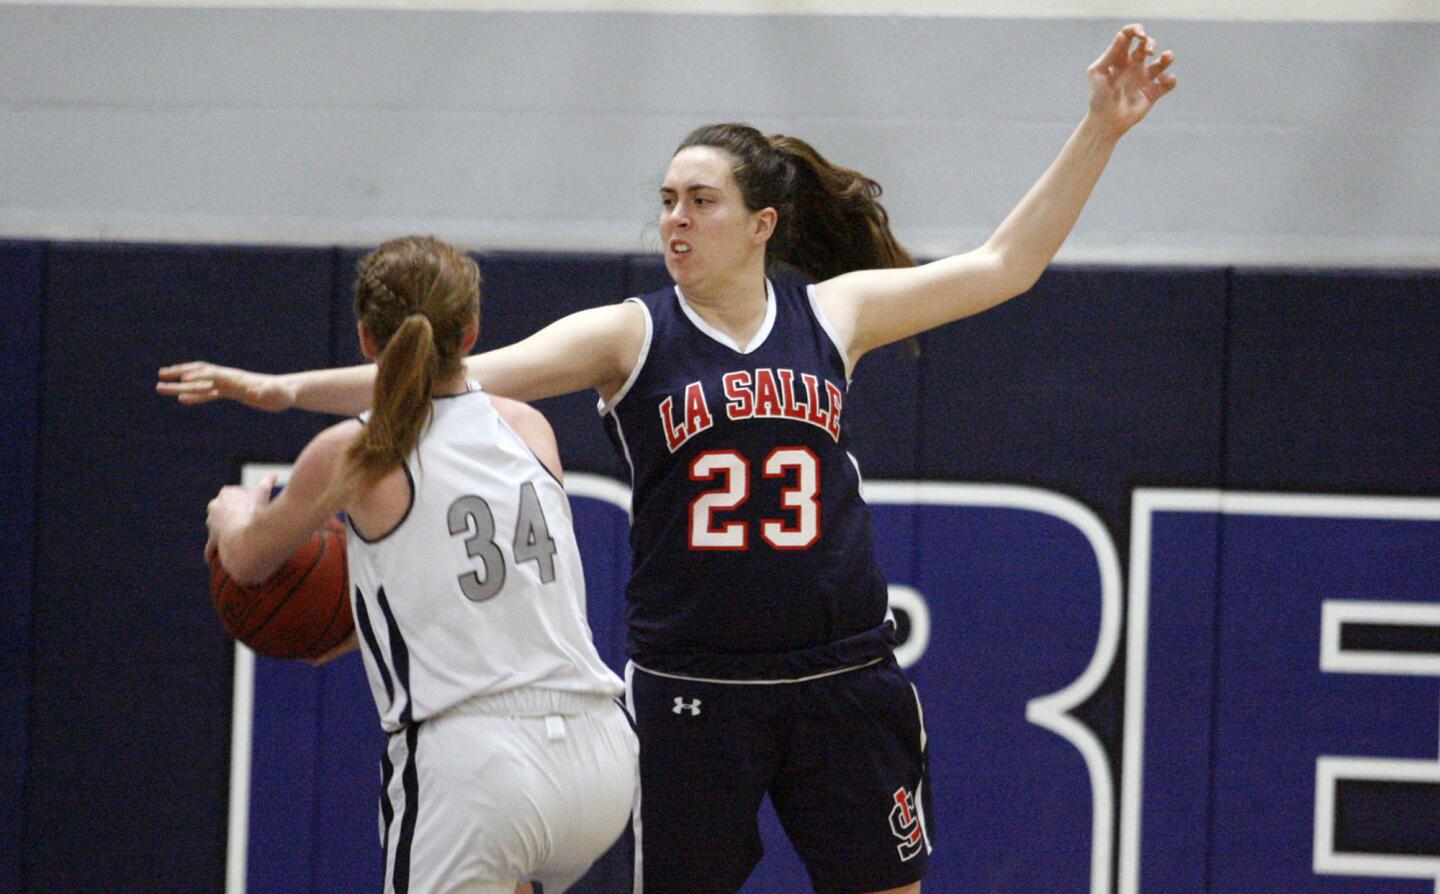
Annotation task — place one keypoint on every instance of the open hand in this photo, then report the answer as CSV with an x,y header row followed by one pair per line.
x,y
198,382
1124,86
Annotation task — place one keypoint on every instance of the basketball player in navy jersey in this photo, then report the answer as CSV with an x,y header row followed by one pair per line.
x,y
508,758
760,651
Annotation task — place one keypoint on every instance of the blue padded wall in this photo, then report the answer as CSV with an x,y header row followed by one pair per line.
x,y
21,282
126,788
1094,382
1331,382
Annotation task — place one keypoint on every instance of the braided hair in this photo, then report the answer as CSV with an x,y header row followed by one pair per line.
x,y
416,297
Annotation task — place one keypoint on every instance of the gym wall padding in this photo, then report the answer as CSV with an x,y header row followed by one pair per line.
x,y
1332,382
130,692
21,289
1099,382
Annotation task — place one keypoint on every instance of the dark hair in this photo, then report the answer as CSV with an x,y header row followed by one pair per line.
x,y
416,296
830,220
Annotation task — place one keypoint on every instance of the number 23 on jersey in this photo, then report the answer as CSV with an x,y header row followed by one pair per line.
x,y
799,470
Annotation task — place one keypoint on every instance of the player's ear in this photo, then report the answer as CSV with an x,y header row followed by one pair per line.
x,y
764,223
472,335
368,347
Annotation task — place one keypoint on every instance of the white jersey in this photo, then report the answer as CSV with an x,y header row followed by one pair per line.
x,y
478,590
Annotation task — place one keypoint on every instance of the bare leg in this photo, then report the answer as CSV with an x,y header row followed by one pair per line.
x,y
908,889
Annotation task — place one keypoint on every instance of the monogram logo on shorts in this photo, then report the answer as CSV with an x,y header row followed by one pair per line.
x,y
681,706
905,823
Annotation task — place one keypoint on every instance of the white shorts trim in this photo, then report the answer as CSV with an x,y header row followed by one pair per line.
x,y
829,673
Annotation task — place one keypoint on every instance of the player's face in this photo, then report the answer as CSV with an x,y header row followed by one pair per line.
x,y
706,230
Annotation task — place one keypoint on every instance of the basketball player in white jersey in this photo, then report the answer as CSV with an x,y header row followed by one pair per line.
x,y
508,758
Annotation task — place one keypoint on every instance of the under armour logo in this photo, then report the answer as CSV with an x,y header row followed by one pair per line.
x,y
681,706
906,825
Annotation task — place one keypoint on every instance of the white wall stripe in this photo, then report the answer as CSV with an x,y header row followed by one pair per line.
x,y
242,714
242,721
1140,10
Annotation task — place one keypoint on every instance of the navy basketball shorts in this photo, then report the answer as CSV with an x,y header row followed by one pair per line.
x,y
843,758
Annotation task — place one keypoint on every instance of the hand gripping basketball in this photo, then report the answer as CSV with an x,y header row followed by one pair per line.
x,y
301,611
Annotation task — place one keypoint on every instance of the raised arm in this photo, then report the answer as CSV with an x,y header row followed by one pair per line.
x,y
593,348
870,308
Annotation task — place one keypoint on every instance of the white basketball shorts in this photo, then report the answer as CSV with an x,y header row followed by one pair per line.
x,y
476,800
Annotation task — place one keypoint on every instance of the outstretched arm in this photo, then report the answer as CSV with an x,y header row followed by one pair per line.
x,y
593,348
344,391
871,308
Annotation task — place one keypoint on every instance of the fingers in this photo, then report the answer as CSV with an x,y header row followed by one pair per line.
x,y
189,392
1154,69
190,383
1130,46
265,488
176,370
1163,81
1117,52
1144,48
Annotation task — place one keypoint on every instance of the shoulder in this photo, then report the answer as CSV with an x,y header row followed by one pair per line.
x,y
518,414
331,442
322,456
533,428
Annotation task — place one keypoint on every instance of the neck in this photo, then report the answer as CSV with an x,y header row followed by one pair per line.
x,y
735,298
455,384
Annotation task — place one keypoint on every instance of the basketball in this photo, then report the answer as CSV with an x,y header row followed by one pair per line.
x,y
301,611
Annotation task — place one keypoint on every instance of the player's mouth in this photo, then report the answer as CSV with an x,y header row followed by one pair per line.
x,y
679,247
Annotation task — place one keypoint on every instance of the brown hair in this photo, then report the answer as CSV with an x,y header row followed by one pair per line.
x,y
830,220
415,296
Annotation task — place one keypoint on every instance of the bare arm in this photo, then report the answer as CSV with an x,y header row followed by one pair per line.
x,y
347,645
871,308
254,534
593,348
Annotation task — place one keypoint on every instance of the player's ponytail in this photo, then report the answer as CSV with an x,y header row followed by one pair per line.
x,y
416,296
829,219
836,222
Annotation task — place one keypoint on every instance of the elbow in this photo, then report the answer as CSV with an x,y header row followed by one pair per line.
x,y
1014,272
1025,280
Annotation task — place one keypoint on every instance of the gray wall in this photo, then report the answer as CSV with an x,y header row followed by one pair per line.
x,y
1287,143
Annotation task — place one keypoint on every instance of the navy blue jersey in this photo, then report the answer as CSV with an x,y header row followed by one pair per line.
x,y
753,555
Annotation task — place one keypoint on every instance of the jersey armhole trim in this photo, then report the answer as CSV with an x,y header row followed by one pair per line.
x,y
829,330
410,479
606,408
